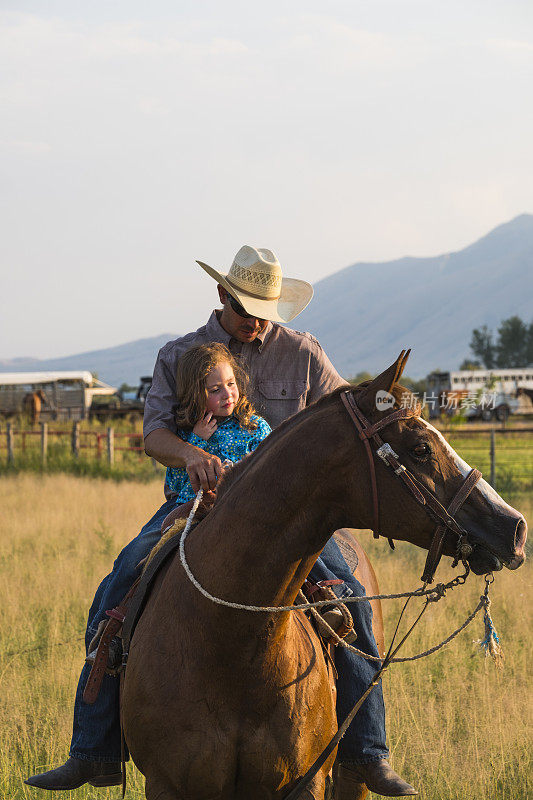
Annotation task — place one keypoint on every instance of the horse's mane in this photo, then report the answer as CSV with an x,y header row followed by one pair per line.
x,y
234,474
270,441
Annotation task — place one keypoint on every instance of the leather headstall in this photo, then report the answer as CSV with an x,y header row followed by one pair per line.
x,y
368,433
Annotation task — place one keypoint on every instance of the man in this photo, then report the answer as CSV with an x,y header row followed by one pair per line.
x,y
288,371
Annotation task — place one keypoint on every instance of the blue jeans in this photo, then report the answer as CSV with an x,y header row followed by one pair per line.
x,y
96,732
365,739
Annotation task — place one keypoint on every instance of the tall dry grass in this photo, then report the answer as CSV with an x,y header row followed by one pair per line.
x,y
458,728
60,537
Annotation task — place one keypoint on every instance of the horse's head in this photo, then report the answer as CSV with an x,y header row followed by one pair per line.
x,y
495,530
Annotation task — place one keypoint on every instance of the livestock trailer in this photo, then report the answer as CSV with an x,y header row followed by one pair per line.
x,y
62,395
485,393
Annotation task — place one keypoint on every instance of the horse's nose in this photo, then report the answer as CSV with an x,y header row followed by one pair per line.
x,y
519,554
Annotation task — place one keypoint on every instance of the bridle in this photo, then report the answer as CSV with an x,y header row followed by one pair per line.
x,y
444,517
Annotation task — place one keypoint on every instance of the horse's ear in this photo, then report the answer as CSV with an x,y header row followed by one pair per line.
x,y
384,382
401,361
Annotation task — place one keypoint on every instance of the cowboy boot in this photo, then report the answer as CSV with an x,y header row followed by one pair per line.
x,y
75,772
378,776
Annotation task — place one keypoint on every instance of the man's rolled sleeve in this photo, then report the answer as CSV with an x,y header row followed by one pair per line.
x,y
160,405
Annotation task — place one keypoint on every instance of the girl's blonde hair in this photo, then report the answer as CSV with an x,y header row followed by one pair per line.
x,y
191,373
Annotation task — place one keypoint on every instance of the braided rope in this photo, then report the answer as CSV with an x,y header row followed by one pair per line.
x,y
431,595
482,604
275,609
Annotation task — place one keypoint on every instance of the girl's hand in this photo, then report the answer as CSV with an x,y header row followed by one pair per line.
x,y
205,427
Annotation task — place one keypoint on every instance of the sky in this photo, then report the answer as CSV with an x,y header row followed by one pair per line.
x,y
136,137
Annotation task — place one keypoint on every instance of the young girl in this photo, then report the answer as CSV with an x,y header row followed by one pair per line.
x,y
213,411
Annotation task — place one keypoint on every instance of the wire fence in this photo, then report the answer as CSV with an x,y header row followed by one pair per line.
x,y
97,444
503,454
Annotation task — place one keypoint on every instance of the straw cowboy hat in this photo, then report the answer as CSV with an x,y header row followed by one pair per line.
x,y
255,280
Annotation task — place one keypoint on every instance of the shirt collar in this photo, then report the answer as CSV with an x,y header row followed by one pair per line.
x,y
216,332
227,423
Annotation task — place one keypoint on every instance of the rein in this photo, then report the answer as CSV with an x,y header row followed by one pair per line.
x,y
431,596
423,496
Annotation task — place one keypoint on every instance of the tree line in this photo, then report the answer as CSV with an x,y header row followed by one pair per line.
x,y
511,347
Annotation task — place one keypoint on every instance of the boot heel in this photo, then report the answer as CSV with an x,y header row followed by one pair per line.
x,y
107,780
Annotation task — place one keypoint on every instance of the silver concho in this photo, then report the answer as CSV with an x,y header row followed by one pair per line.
x,y
385,451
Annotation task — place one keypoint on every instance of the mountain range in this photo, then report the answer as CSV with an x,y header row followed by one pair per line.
x,y
365,314
125,363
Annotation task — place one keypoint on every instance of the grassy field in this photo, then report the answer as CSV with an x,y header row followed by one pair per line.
x,y
513,457
458,727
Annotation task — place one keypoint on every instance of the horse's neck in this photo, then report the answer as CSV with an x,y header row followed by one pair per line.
x,y
267,569
258,544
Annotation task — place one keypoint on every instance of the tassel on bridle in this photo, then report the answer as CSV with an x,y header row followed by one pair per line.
x,y
491,642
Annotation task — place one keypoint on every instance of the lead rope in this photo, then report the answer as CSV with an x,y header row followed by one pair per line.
x,y
324,755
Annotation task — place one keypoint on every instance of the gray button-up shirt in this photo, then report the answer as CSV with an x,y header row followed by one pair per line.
x,y
288,370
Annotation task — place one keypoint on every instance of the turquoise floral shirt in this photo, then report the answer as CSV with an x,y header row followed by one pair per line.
x,y
230,442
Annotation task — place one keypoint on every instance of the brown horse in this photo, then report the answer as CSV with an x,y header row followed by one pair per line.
x,y
32,404
224,704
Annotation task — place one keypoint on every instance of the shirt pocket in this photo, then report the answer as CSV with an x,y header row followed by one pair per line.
x,y
282,398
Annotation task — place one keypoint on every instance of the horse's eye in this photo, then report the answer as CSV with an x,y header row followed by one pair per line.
x,y
421,451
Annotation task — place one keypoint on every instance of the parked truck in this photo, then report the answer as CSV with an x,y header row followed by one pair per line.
x,y
122,404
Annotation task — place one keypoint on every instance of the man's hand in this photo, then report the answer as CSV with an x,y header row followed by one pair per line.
x,y
202,468
170,450
205,427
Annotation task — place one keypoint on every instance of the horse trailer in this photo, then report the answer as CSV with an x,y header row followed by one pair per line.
x,y
482,393
50,395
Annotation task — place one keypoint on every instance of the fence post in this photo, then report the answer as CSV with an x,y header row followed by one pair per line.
x,y
111,445
44,442
492,459
75,439
9,436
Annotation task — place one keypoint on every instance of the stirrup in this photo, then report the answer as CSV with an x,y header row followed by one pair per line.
x,y
114,655
337,617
